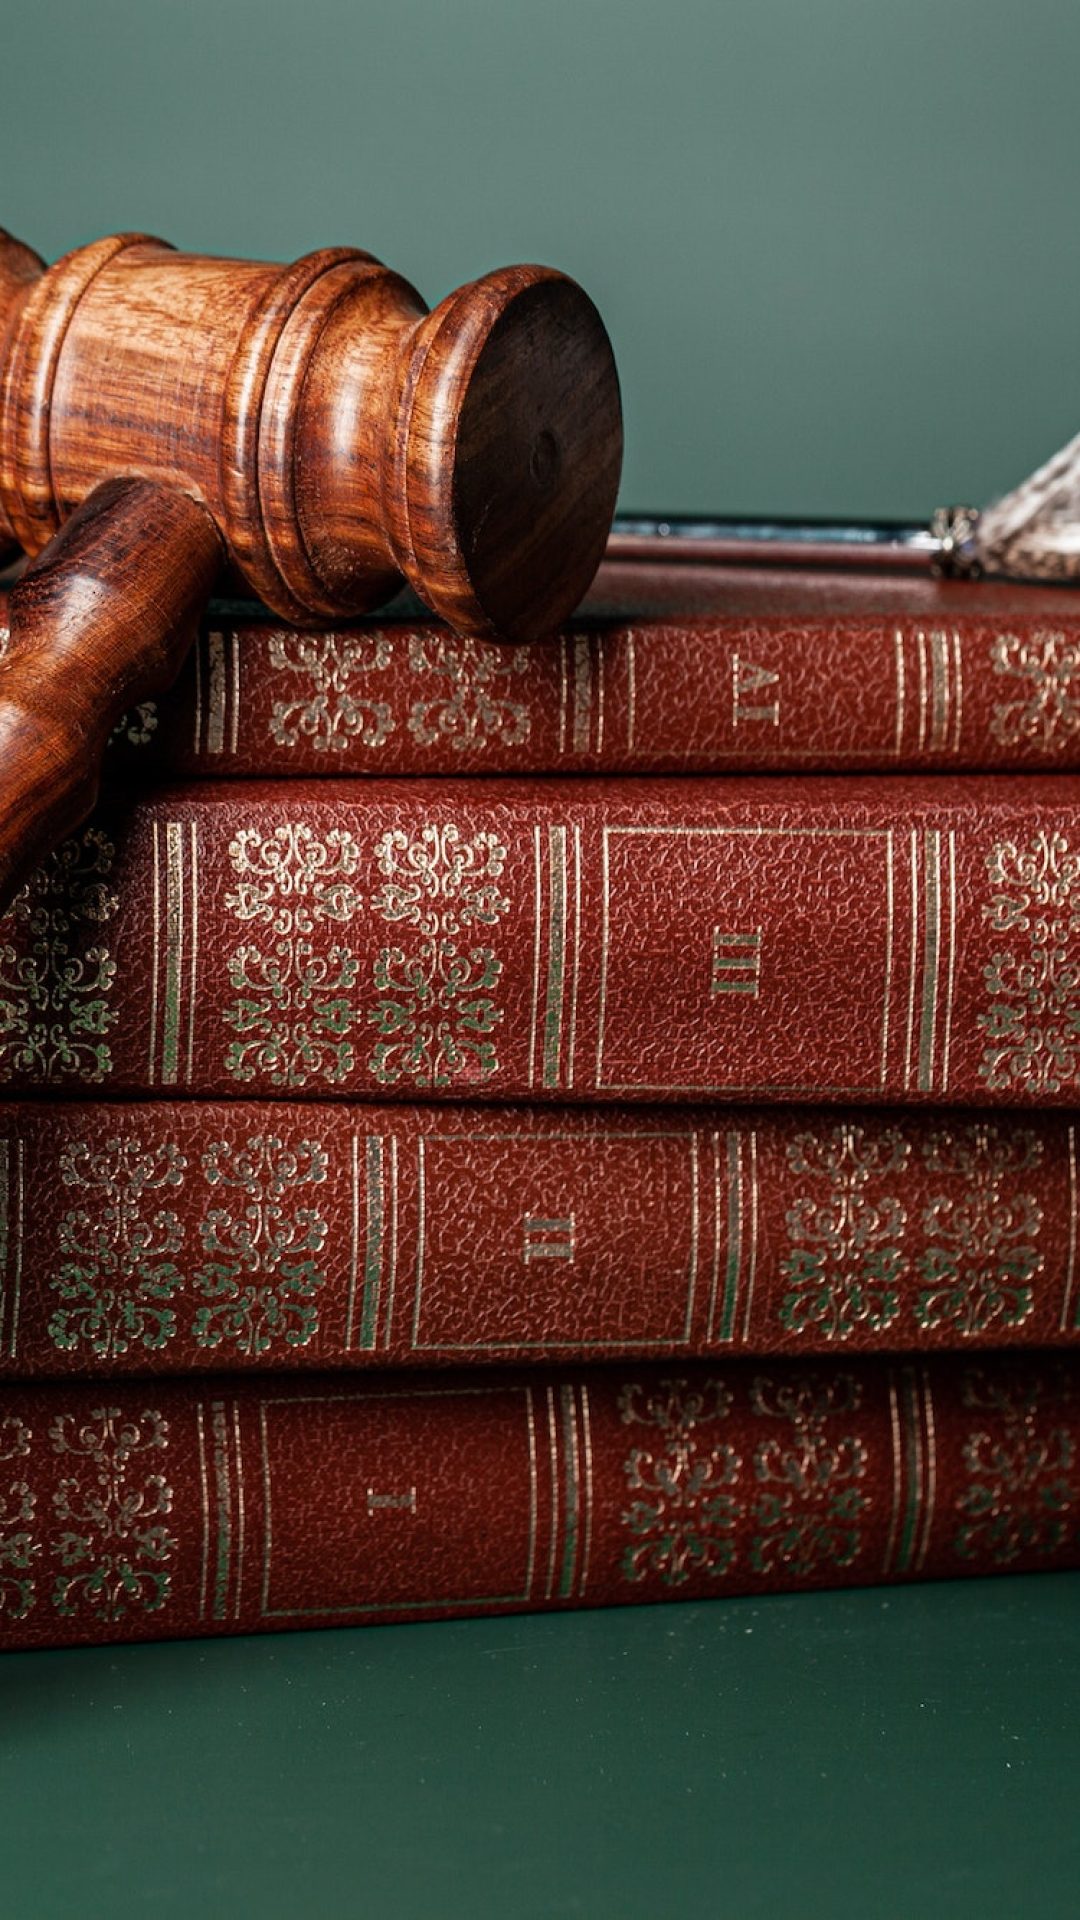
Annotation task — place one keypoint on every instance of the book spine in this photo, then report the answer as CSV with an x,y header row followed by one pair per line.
x,y
815,940
139,1511
178,1237
651,696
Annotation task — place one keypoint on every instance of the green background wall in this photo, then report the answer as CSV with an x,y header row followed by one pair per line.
x,y
835,240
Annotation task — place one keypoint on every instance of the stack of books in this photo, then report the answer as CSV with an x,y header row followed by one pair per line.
x,y
491,1128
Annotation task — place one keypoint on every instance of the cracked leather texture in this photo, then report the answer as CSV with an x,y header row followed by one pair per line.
x,y
199,1507
178,1236
821,939
669,669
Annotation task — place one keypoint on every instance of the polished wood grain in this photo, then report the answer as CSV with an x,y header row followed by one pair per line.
x,y
19,269
104,620
341,436
312,430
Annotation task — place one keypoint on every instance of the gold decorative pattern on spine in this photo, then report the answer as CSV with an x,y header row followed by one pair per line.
x,y
682,1510
56,975
1032,978
330,679
116,1553
1045,671
436,1012
472,708
294,1014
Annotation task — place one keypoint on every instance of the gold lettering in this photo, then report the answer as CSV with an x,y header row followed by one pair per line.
x,y
747,680
548,1239
736,962
391,1502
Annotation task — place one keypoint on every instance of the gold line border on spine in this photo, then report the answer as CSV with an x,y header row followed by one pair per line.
x,y
911,1425
16,1243
556,956
391,1280
571,1492
196,654
586,1434
920,641
215,693
174,952
553,1464
931,981
689,1136
564,678
890,920
462,1601
676,830
421,1232
155,957
913,849
534,1506
194,968
897,1473
571,1041
374,1238
354,1237
939,670
240,1509
751,1274
947,1046
5,1231
958,703
223,1492
536,955
714,1266
582,693
234,688
926,1407
1070,1266
200,1428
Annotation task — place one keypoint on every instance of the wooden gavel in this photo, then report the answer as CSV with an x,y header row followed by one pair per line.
x,y
312,431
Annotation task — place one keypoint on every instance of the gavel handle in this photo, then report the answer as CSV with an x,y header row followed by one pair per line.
x,y
100,620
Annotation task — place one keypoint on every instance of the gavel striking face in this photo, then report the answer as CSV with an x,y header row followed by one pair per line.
x,y
311,429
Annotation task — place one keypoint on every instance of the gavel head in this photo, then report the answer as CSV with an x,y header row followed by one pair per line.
x,y
341,436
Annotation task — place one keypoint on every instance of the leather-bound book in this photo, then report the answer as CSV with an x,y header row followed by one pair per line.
x,y
163,1237
147,1510
816,939
669,669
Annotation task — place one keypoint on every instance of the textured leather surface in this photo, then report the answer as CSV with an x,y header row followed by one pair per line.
x,y
673,669
178,1236
163,1509
818,939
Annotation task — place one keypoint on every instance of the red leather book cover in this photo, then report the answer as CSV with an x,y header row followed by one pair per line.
x,y
670,669
819,940
178,1236
146,1510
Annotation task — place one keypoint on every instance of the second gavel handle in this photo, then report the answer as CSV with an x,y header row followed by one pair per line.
x,y
99,621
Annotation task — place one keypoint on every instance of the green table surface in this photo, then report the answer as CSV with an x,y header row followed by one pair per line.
x,y
907,1752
